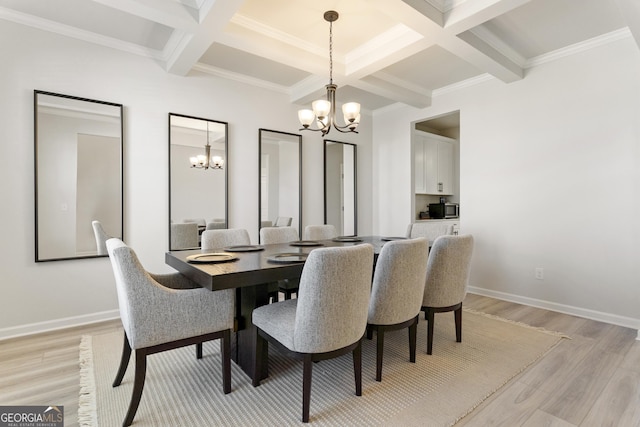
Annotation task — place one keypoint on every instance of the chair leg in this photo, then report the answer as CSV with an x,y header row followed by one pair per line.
x,y
379,353
413,335
199,350
458,317
306,387
429,314
369,332
357,367
225,346
138,385
124,361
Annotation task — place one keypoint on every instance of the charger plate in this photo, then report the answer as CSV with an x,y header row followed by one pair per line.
x,y
210,258
287,258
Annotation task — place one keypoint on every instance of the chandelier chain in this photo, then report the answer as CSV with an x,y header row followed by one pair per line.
x,y
330,52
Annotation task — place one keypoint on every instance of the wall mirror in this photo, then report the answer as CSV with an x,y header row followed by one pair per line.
x,y
280,186
198,171
340,187
78,175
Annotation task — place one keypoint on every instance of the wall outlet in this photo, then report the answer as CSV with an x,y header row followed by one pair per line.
x,y
539,273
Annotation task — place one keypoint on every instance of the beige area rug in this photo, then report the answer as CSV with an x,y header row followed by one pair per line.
x,y
437,390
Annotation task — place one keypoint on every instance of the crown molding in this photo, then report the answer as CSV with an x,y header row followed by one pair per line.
x,y
242,78
463,84
86,36
583,46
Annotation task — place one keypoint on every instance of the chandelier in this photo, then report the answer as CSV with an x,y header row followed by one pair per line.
x,y
324,111
206,161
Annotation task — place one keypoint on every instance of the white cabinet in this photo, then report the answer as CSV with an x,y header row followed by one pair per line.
x,y
434,165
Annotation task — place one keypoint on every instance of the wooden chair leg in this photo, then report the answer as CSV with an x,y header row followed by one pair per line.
x,y
138,386
429,314
357,367
458,318
306,387
413,335
369,332
124,361
199,350
379,353
225,347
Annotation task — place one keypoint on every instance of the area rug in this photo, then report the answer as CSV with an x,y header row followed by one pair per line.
x,y
437,390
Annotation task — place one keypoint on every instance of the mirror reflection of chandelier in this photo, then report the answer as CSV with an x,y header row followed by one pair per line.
x,y
206,161
324,111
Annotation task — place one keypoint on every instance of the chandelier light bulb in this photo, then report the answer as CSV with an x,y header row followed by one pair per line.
x,y
321,108
351,110
306,117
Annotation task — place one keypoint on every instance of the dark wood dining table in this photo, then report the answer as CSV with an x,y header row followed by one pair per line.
x,y
249,275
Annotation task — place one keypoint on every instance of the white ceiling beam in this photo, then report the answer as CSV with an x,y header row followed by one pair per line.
x,y
631,12
386,89
470,14
165,12
213,17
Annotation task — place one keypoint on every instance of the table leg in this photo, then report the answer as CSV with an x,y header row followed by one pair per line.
x,y
243,346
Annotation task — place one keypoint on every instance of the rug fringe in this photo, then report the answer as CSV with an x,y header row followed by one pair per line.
x,y
493,316
87,411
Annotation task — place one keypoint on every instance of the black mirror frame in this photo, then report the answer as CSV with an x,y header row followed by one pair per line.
x,y
226,169
355,181
35,168
260,130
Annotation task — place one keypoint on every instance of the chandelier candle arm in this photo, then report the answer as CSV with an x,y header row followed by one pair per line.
x,y
324,111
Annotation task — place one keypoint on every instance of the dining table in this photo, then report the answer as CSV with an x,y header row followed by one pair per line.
x,y
249,269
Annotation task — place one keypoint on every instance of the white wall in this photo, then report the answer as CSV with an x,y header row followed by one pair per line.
x,y
549,177
36,296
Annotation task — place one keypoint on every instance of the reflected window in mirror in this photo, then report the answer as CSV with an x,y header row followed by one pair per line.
x,y
280,172
340,187
78,175
198,171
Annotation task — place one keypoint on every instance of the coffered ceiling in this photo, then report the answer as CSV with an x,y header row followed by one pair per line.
x,y
385,51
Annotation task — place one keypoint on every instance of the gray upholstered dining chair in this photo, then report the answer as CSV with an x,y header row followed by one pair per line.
x,y
329,317
216,225
184,235
320,232
219,239
164,312
101,237
275,235
447,278
200,221
397,291
429,229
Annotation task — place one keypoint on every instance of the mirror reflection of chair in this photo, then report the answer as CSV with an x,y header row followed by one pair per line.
x,y
101,237
283,221
320,232
396,293
200,221
447,278
184,235
266,224
327,320
275,235
164,312
216,225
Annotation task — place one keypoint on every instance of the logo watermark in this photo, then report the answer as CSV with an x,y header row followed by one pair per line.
x,y
31,416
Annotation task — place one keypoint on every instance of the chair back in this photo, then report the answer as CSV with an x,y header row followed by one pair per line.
x,y
398,281
333,298
429,230
218,239
448,271
283,221
273,235
184,235
200,221
216,225
320,232
101,237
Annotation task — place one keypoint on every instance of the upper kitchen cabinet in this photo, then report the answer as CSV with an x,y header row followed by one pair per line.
x,y
434,164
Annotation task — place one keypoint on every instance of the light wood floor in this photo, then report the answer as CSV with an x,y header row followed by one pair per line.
x,y
592,379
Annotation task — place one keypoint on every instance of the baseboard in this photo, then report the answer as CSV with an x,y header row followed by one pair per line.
x,y
614,319
52,325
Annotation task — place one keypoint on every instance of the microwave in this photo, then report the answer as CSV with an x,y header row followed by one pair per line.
x,y
444,210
